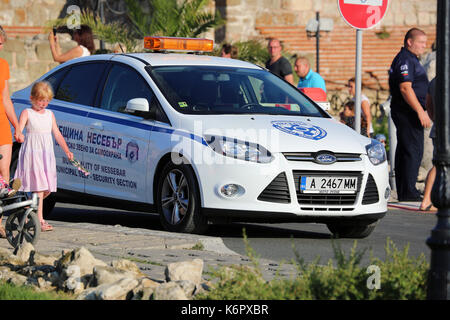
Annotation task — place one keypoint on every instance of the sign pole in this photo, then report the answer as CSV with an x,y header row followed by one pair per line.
x,y
358,80
317,42
361,15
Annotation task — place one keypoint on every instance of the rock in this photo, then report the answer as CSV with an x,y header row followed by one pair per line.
x,y
88,294
54,277
35,271
187,286
128,266
118,290
145,289
111,291
23,254
16,279
186,270
105,274
73,281
7,257
4,252
44,284
78,269
39,259
169,291
82,258
203,287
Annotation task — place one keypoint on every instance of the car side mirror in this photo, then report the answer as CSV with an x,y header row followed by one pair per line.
x,y
137,104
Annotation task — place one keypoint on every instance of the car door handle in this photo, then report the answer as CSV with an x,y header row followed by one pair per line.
x,y
96,125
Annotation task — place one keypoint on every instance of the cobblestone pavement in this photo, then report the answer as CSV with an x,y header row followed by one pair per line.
x,y
151,250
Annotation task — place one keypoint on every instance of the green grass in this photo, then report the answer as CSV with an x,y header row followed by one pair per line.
x,y
401,277
11,292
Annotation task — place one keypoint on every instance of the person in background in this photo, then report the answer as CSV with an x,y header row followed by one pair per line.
x,y
426,204
83,36
408,85
365,106
8,117
381,138
229,51
348,117
308,77
120,48
277,64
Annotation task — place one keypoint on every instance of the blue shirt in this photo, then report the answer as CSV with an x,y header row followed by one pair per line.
x,y
312,80
406,67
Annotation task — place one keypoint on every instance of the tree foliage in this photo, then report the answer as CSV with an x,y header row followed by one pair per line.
x,y
190,18
171,18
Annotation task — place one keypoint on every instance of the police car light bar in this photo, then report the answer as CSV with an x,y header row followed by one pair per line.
x,y
172,43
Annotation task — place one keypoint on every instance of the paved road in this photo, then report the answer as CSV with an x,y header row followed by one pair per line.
x,y
275,242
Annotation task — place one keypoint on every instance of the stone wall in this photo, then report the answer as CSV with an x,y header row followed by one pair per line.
x,y
245,16
286,20
30,57
27,50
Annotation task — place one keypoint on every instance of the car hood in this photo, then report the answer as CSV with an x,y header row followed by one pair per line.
x,y
281,133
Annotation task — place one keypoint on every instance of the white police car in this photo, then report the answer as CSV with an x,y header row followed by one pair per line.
x,y
202,139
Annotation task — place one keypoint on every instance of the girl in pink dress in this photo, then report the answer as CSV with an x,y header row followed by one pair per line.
x,y
37,166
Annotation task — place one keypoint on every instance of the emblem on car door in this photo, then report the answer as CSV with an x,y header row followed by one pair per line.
x,y
132,152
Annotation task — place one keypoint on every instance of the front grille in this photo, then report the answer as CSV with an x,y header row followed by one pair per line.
x,y
323,198
310,156
277,190
371,192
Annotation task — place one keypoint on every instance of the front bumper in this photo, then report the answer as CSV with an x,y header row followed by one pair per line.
x,y
271,191
222,215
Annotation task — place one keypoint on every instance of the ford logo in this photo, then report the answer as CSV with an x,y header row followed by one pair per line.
x,y
325,158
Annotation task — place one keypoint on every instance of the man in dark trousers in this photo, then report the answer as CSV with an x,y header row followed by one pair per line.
x,y
278,64
408,84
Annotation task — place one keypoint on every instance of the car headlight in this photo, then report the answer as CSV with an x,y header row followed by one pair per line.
x,y
376,152
239,149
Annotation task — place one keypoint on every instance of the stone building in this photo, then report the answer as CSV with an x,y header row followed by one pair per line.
x,y
28,53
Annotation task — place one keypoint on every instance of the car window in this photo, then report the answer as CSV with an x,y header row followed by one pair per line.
x,y
225,90
122,85
81,83
55,78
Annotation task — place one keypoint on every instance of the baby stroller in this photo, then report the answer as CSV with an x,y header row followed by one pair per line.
x,y
22,223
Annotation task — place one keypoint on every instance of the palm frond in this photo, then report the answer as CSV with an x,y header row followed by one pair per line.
x,y
112,33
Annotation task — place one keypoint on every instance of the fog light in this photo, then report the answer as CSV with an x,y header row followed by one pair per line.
x,y
387,193
229,190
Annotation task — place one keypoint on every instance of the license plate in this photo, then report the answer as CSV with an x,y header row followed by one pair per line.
x,y
328,184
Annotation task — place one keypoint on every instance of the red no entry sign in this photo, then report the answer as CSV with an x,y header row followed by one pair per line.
x,y
363,14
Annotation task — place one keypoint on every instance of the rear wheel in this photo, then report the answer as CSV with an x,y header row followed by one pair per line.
x,y
358,231
178,200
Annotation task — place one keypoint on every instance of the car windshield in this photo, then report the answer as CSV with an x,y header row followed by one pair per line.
x,y
221,90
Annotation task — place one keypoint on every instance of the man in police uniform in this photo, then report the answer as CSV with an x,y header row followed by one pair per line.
x,y
408,84
277,64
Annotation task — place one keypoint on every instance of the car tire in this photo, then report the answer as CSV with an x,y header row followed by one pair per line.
x,y
178,200
357,231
